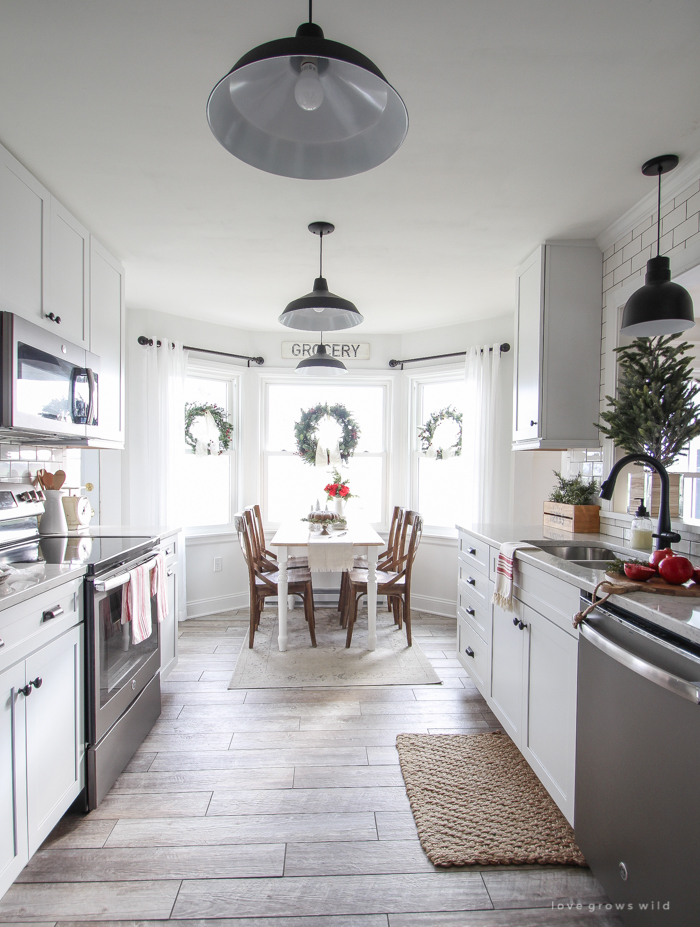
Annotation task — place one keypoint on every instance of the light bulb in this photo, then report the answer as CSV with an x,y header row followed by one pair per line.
x,y
318,308
308,91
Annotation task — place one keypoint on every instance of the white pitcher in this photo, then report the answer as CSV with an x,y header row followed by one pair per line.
x,y
53,521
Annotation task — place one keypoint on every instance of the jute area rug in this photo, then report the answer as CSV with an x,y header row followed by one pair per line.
x,y
476,801
393,663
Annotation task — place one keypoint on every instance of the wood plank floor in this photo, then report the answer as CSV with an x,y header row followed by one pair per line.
x,y
283,808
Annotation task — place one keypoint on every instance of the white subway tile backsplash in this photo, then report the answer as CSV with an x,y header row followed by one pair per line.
x,y
623,271
613,262
687,193
649,237
642,227
674,218
9,451
693,205
686,229
608,253
27,453
639,261
634,247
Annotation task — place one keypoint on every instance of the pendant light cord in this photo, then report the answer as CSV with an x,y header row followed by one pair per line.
x,y
320,256
658,217
311,11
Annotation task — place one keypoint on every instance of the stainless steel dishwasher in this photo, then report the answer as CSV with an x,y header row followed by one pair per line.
x,y
637,808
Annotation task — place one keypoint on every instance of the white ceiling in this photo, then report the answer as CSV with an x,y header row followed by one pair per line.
x,y
529,120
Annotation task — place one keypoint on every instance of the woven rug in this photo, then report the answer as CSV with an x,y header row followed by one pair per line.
x,y
393,663
476,801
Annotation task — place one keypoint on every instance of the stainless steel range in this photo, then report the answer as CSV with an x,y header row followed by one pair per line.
x,y
122,678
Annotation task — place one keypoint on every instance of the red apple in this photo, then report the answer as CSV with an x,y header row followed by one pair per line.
x,y
660,555
639,573
676,570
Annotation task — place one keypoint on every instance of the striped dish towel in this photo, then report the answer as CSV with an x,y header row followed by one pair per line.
x,y
136,604
158,590
503,593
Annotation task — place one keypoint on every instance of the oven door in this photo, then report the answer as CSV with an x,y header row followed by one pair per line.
x,y
46,386
117,668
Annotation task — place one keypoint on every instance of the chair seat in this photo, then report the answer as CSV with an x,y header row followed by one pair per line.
x,y
361,577
294,577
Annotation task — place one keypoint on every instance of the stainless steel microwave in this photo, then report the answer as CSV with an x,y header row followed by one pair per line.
x,y
49,388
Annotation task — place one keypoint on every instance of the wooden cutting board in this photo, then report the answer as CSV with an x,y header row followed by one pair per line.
x,y
658,586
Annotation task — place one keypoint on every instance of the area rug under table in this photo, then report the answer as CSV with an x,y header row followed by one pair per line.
x,y
330,663
476,801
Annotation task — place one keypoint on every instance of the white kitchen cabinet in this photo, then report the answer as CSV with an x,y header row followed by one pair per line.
x,y
24,240
549,692
55,734
68,293
556,379
169,627
508,653
13,782
107,340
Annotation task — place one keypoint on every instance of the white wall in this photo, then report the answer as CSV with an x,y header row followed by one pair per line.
x,y
434,584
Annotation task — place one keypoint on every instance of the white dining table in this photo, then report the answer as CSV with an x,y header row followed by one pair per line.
x,y
365,540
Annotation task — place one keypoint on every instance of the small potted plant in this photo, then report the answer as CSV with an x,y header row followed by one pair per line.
x,y
338,491
570,506
655,409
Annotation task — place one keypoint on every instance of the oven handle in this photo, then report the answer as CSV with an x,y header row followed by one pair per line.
x,y
688,690
120,579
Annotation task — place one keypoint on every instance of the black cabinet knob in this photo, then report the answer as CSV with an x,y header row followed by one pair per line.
x,y
532,422
26,690
522,625
515,621
469,652
54,318
37,683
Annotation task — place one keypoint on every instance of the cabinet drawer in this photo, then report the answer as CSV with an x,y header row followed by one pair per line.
x,y
475,586
169,548
474,552
477,616
474,655
35,622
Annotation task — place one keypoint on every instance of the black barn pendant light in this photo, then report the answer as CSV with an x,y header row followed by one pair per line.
x,y
307,107
660,307
321,310
321,364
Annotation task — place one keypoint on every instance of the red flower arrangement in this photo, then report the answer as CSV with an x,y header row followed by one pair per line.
x,y
339,488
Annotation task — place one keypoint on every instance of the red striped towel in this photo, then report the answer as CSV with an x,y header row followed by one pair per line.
x,y
158,575
503,593
136,604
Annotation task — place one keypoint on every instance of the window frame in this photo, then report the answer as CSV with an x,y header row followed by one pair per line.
x,y
270,378
202,368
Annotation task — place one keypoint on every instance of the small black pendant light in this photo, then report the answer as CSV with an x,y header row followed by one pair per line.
x,y
307,107
321,364
660,307
321,310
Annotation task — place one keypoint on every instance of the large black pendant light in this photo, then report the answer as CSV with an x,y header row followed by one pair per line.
x,y
321,310
660,307
307,107
321,364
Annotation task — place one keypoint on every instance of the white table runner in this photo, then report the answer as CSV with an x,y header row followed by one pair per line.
x,y
330,554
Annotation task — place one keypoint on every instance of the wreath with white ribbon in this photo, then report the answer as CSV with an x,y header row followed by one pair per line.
x,y
213,434
326,435
426,434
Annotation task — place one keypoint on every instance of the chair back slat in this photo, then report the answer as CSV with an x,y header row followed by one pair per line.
x,y
416,523
248,541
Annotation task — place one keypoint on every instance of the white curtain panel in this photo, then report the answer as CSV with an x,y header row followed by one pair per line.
x,y
479,432
156,434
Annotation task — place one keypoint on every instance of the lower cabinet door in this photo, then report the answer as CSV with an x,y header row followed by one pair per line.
x,y
55,736
507,657
473,654
13,793
169,628
549,742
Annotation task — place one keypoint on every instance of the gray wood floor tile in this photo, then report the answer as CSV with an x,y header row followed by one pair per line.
x,y
324,777
413,723
311,801
481,727
534,917
419,709
89,900
441,694
225,725
197,645
382,756
199,706
178,675
184,743
542,887
369,858
323,696
228,647
183,687
170,712
350,920
80,832
332,895
119,804
316,739
449,672
140,762
216,675
246,828
199,780
236,759
121,864
396,825
455,682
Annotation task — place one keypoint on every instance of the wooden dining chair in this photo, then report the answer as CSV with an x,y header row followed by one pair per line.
x,y
270,556
263,584
395,584
385,560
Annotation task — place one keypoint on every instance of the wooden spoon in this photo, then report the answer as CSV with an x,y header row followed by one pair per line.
x,y
47,480
59,478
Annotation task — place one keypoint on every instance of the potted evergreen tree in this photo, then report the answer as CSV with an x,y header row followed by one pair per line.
x,y
655,411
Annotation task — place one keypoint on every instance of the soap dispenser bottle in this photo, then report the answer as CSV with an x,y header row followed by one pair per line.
x,y
642,529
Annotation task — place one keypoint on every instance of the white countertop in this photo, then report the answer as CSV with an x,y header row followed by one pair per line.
x,y
674,613
123,531
30,579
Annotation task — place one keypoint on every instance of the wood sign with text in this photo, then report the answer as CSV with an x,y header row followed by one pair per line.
x,y
340,349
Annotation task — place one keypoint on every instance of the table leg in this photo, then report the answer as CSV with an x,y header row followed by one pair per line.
x,y
282,597
372,597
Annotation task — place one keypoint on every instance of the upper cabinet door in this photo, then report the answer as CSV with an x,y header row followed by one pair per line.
x,y
24,237
68,284
528,349
107,339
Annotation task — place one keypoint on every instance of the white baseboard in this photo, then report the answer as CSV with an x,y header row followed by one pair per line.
x,y
223,603
434,606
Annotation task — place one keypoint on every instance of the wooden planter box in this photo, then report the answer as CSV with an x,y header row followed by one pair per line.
x,y
584,519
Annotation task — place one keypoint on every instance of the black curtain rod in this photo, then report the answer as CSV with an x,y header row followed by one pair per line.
x,y
504,348
188,347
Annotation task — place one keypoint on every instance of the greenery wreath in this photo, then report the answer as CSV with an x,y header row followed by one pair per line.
x,y
195,410
426,432
305,431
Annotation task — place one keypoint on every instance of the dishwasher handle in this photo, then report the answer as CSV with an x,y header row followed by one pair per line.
x,y
688,690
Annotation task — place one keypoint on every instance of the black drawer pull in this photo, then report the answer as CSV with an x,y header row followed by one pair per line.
x,y
470,611
469,652
35,683
54,612
522,625
54,318
471,581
